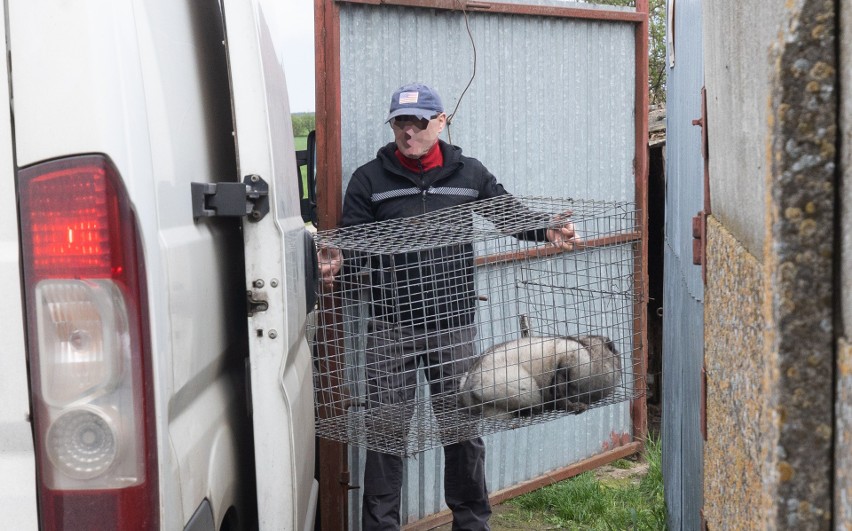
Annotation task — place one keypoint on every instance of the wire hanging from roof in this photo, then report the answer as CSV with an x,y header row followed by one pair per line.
x,y
472,76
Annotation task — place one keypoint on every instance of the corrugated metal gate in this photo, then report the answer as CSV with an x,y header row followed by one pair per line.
x,y
555,109
683,297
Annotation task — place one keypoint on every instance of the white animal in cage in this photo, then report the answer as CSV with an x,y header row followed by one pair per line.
x,y
537,374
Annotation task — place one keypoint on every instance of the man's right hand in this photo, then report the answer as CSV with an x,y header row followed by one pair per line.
x,y
330,260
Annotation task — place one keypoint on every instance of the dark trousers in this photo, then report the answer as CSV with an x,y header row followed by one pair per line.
x,y
464,488
392,357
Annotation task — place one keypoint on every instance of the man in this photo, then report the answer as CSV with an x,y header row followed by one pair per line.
x,y
416,174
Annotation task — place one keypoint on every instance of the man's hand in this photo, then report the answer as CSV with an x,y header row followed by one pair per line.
x,y
564,235
330,260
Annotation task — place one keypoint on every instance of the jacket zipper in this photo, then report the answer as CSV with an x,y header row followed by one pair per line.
x,y
423,189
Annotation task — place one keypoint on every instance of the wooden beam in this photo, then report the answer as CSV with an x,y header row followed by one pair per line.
x,y
332,458
639,405
329,151
540,252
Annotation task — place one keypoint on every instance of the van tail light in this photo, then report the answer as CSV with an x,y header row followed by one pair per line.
x,y
89,353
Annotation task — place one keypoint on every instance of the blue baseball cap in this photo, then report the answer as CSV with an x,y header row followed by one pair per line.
x,y
415,99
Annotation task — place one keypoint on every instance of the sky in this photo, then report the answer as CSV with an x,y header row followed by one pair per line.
x,y
293,20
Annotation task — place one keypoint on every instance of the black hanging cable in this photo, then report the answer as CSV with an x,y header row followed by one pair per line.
x,y
472,76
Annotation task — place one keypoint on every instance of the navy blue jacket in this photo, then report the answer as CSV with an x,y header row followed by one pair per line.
x,y
384,189
433,288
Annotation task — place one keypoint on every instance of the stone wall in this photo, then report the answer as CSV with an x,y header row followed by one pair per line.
x,y
770,321
741,411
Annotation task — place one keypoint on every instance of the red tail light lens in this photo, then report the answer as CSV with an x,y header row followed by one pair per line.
x,y
69,220
88,350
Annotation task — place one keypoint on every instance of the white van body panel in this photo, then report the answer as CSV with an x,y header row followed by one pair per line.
x,y
134,80
17,459
281,381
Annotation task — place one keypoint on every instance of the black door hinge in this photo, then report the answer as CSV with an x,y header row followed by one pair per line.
x,y
249,198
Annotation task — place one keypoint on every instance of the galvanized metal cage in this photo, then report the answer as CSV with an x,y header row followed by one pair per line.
x,y
466,321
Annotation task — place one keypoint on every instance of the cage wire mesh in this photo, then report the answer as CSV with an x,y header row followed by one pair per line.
x,y
465,321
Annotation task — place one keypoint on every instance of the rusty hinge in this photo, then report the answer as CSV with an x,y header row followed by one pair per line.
x,y
703,405
705,139
699,222
698,231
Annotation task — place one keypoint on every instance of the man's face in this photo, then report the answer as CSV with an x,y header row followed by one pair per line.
x,y
415,136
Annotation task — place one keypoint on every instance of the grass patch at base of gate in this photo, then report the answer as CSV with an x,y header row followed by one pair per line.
x,y
623,495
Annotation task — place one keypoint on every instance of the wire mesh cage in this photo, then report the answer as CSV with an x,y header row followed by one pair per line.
x,y
466,321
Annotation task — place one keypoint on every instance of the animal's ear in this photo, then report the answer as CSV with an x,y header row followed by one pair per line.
x,y
595,342
610,344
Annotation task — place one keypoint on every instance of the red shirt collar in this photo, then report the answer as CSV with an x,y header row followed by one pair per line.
x,y
432,159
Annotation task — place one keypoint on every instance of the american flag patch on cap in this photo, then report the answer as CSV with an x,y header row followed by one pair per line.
x,y
408,97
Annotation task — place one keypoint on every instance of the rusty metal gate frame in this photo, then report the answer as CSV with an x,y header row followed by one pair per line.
x,y
332,458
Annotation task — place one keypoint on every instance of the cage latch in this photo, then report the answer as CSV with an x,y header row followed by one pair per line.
x,y
249,198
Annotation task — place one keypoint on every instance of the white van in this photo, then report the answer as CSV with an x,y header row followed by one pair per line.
x,y
155,370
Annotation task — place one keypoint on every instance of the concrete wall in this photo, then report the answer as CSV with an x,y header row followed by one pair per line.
x,y
843,428
737,72
846,176
769,317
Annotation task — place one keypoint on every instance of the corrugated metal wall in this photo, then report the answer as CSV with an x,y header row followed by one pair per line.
x,y
683,297
550,112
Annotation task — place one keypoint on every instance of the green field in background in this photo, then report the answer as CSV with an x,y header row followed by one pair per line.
x,y
301,142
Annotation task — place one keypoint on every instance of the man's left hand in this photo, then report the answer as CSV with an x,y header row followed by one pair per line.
x,y
565,235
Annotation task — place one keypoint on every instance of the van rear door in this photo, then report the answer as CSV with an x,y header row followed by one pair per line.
x,y
17,455
275,252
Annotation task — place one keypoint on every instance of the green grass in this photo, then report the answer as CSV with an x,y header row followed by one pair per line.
x,y
586,502
622,464
301,142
